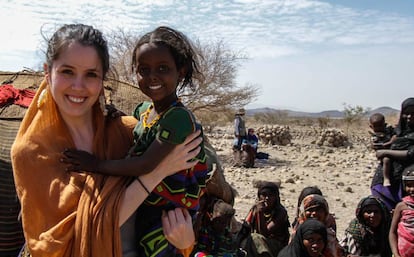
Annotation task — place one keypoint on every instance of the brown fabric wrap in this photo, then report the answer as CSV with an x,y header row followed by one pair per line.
x,y
68,214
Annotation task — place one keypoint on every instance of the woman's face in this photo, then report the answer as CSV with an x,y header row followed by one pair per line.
x,y
317,213
314,244
76,80
372,215
409,116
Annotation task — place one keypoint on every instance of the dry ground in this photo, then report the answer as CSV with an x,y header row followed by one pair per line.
x,y
343,174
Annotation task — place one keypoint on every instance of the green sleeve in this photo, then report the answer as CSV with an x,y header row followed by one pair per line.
x,y
175,125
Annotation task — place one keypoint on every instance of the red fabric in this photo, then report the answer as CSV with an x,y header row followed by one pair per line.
x,y
9,94
406,229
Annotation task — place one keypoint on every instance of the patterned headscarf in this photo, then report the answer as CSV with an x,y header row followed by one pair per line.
x,y
370,241
312,201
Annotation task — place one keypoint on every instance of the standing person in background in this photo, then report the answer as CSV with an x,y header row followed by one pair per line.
x,y
239,134
401,154
165,63
71,214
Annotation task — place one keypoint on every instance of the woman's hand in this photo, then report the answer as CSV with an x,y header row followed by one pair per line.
x,y
178,228
180,158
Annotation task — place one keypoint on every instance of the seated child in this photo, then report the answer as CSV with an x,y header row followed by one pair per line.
x,y
382,138
214,237
367,233
269,223
401,235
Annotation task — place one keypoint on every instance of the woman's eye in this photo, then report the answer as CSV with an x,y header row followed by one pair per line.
x,y
92,75
67,71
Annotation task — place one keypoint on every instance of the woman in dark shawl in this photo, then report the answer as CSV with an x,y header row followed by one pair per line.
x,y
310,240
367,233
402,155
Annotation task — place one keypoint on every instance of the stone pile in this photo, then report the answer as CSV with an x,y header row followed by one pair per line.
x,y
274,135
332,137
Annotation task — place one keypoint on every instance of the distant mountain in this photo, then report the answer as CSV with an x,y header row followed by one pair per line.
x,y
331,113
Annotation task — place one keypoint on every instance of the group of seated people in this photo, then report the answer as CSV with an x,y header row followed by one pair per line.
x,y
383,225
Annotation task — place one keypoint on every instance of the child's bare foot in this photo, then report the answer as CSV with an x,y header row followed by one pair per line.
x,y
387,182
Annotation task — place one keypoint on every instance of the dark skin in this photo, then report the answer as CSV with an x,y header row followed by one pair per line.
x,y
158,77
264,207
396,218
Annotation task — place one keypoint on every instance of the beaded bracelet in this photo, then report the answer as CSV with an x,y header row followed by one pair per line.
x,y
142,184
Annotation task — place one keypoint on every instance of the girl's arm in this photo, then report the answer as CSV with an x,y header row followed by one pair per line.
x,y
133,166
393,235
178,159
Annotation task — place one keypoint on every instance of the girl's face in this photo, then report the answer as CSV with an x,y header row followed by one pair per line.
x,y
76,80
372,215
268,198
317,213
409,187
409,116
314,244
157,73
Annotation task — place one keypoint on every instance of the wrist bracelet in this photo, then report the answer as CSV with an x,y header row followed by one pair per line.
x,y
142,184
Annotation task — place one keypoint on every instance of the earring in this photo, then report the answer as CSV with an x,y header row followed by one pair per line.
x,y
41,99
102,105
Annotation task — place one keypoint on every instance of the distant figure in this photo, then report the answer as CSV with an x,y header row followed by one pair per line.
x,y
249,149
239,134
367,233
402,229
382,137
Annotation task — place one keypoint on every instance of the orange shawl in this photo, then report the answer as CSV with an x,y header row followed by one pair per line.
x,y
68,214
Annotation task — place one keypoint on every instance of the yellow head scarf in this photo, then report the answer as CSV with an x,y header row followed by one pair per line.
x,y
66,213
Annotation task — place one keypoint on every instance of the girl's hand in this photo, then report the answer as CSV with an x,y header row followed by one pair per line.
x,y
78,160
178,228
180,158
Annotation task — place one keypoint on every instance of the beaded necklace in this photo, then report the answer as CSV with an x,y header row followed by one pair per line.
x,y
145,115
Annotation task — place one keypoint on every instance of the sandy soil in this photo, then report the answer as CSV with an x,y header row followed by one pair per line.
x,y
343,174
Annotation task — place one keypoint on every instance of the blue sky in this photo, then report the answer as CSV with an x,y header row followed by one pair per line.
x,y
303,55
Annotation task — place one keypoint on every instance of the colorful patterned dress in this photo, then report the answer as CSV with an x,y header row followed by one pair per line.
x,y
182,189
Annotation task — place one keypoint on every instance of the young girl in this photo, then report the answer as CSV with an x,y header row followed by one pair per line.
x,y
402,230
164,61
316,207
310,240
367,233
269,223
